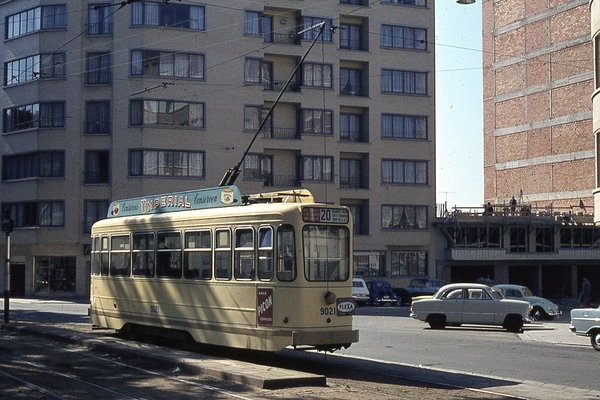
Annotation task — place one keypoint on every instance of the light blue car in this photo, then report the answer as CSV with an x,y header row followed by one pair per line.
x,y
542,308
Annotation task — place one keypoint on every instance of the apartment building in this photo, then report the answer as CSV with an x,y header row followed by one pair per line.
x,y
538,79
110,100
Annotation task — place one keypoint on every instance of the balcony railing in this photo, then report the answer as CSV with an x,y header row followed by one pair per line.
x,y
286,38
281,133
96,177
354,90
277,85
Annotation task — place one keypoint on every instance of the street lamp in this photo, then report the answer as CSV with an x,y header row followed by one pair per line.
x,y
465,1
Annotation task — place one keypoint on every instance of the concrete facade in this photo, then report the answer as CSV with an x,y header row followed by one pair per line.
x,y
135,98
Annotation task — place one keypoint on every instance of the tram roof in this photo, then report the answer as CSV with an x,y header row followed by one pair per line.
x,y
217,197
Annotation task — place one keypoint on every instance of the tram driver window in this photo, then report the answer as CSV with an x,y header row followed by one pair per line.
x,y
104,256
265,253
168,255
244,253
223,254
286,253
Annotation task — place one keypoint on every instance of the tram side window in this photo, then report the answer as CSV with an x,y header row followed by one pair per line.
x,y
104,256
286,253
244,253
197,255
120,255
223,254
143,254
96,255
265,253
168,255
326,253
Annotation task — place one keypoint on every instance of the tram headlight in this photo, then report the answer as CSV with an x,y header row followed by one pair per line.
x,y
329,297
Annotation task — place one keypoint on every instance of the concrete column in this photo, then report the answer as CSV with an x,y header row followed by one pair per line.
x,y
501,273
574,282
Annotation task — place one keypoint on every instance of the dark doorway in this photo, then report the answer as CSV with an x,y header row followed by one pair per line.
x,y
17,279
473,273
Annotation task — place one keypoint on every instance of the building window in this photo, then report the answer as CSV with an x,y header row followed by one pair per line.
x,y
253,117
403,37
316,121
404,171
259,71
164,63
311,34
150,13
39,115
318,169
316,75
45,164
35,19
418,3
99,19
53,66
166,113
403,217
37,214
351,37
350,127
360,218
166,163
403,126
354,2
22,70
94,210
409,263
350,173
97,167
408,82
259,167
98,69
55,274
350,82
369,263
97,117
257,24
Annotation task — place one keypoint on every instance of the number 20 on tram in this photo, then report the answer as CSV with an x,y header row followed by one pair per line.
x,y
258,272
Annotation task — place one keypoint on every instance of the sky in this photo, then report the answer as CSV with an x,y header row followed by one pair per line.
x,y
459,103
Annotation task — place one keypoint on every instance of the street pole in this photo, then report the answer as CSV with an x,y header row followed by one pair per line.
x,y
7,279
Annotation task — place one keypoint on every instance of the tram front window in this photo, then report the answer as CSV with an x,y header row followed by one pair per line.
x,y
326,253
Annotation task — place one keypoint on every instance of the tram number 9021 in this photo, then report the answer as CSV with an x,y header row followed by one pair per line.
x,y
327,310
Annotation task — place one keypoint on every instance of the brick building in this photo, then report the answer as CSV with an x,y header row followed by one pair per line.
x,y
538,80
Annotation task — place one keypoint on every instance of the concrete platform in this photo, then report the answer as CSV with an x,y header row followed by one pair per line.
x,y
261,376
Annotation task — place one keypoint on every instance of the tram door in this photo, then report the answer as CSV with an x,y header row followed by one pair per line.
x,y
17,279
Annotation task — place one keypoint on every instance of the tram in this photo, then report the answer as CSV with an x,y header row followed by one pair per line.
x,y
259,272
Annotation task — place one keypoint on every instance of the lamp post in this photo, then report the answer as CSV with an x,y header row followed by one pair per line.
x,y
7,227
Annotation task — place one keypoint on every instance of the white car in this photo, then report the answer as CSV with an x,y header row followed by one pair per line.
x,y
471,303
360,293
586,322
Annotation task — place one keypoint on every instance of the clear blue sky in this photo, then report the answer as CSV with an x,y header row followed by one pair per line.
x,y
459,103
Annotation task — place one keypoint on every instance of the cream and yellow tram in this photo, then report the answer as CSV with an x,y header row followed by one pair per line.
x,y
259,272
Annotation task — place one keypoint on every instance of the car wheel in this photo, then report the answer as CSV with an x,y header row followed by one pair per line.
x,y
513,323
595,340
537,314
437,321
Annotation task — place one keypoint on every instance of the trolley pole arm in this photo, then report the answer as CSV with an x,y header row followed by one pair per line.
x,y
232,173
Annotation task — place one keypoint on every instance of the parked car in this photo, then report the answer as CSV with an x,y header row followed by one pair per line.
x,y
416,288
381,294
542,308
586,322
360,293
471,303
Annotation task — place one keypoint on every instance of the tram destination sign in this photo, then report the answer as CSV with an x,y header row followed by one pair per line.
x,y
223,196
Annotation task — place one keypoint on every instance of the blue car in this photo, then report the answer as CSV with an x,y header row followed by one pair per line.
x,y
381,294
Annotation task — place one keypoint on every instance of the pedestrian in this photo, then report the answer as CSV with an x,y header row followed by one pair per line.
x,y
489,209
586,290
513,205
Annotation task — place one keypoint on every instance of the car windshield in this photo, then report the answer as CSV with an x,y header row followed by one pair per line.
x,y
496,294
527,292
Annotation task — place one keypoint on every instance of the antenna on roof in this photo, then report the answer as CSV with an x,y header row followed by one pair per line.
x,y
232,173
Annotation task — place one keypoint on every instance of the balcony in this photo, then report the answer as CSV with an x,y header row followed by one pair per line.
x,y
281,133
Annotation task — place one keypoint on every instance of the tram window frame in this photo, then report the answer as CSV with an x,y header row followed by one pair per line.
x,y
104,256
169,255
120,255
198,254
244,254
95,258
334,267
286,253
223,253
265,253
143,250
